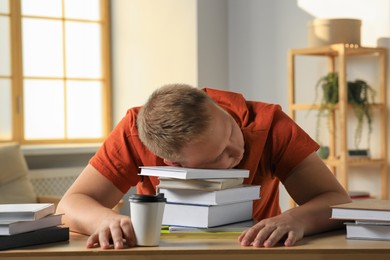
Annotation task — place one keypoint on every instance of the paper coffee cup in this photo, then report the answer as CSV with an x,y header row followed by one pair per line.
x,y
146,212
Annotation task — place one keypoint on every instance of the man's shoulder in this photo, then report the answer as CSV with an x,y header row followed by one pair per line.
x,y
223,96
263,106
127,126
261,116
256,114
220,95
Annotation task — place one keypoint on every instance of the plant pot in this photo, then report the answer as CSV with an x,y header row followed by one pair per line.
x,y
359,153
360,96
323,32
355,91
323,152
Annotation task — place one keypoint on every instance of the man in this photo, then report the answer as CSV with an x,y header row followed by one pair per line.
x,y
187,127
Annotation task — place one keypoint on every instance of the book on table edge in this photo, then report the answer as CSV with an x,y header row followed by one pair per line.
x,y
227,196
192,173
204,216
234,227
37,237
199,184
25,211
359,195
17,227
367,209
368,230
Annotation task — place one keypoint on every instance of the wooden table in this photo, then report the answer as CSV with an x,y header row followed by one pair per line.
x,y
331,245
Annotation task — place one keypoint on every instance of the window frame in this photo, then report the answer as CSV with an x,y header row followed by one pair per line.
x,y
17,77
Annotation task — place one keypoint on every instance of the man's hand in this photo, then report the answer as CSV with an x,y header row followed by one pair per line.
x,y
117,228
315,189
270,231
87,208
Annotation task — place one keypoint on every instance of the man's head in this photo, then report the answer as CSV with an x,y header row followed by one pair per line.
x,y
183,125
173,116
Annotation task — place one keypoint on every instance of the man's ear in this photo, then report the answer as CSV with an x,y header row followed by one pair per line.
x,y
170,163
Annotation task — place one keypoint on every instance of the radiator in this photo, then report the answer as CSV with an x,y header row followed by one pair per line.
x,y
53,181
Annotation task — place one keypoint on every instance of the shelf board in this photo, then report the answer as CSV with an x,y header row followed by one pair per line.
x,y
302,106
359,161
365,161
333,50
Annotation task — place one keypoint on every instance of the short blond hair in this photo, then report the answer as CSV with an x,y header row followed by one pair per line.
x,y
174,115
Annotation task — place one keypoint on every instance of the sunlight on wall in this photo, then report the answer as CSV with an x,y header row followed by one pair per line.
x,y
154,43
374,15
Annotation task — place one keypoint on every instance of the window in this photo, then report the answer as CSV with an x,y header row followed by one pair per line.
x,y
54,71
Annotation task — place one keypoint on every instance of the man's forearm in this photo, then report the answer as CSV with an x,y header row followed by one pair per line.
x,y
315,214
82,213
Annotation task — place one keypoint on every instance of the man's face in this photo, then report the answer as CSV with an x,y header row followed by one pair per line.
x,y
222,145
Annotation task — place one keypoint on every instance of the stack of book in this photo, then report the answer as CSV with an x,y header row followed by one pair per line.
x,y
204,198
365,219
30,224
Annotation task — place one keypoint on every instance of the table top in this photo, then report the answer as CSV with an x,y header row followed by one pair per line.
x,y
174,246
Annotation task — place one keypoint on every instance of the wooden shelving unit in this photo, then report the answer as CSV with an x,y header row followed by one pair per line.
x,y
338,160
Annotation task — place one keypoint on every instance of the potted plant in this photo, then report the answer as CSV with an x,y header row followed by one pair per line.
x,y
360,96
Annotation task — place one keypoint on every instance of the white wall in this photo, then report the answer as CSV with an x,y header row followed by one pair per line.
x,y
153,43
213,58
227,44
170,41
261,32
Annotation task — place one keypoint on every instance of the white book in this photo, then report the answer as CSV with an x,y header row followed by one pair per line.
x,y
36,237
204,216
368,231
25,212
232,195
199,184
365,209
192,173
235,227
17,227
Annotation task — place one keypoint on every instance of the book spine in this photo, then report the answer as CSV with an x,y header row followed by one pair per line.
x,y
43,236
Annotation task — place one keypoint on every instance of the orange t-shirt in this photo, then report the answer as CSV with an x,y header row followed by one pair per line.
x,y
274,145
